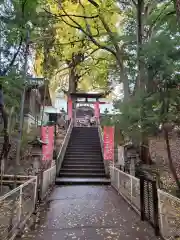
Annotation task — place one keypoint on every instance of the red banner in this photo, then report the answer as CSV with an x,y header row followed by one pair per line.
x,y
96,109
47,133
69,108
109,143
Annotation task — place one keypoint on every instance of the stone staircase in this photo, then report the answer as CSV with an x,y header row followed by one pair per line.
x,y
83,161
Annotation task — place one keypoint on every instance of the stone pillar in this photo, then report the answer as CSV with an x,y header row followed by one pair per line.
x,y
120,161
132,166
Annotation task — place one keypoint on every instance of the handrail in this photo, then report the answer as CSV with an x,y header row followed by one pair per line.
x,y
48,181
18,204
18,176
124,173
128,187
62,150
18,188
169,195
100,131
125,187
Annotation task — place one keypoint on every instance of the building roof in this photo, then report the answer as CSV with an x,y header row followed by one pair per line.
x,y
87,95
33,82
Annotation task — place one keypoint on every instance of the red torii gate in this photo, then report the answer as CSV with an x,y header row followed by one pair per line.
x,y
77,98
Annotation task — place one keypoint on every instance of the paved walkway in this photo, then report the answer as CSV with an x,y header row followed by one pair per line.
x,y
88,213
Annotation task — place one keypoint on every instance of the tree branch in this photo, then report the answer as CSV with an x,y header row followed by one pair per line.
x,y
60,70
157,19
93,3
4,72
78,26
109,32
71,15
134,2
66,68
82,75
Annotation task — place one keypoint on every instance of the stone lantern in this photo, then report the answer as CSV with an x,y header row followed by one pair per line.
x,y
37,164
36,155
131,157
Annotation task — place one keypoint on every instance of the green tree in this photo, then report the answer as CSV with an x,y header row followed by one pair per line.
x,y
160,102
16,19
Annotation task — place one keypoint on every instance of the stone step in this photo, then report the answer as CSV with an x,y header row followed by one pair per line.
x,y
90,153
85,133
79,154
76,141
84,148
81,134
86,151
82,161
83,158
84,170
84,136
85,129
84,145
82,181
89,139
85,155
90,166
80,148
83,174
93,164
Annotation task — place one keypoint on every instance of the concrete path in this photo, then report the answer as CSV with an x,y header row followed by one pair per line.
x,y
88,213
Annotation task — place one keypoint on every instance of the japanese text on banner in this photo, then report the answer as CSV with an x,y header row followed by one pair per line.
x,y
96,109
109,143
47,133
69,108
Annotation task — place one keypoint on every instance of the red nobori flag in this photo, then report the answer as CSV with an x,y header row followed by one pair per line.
x,y
69,108
96,109
47,135
109,143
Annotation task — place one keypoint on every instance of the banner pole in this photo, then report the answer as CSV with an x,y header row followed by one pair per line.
x,y
113,159
113,144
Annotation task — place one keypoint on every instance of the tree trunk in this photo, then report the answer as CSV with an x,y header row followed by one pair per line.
x,y
6,143
10,121
140,30
124,79
144,151
144,148
125,85
171,165
177,7
73,76
72,81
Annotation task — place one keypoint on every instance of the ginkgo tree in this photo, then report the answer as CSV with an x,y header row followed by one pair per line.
x,y
96,23
103,24
71,53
